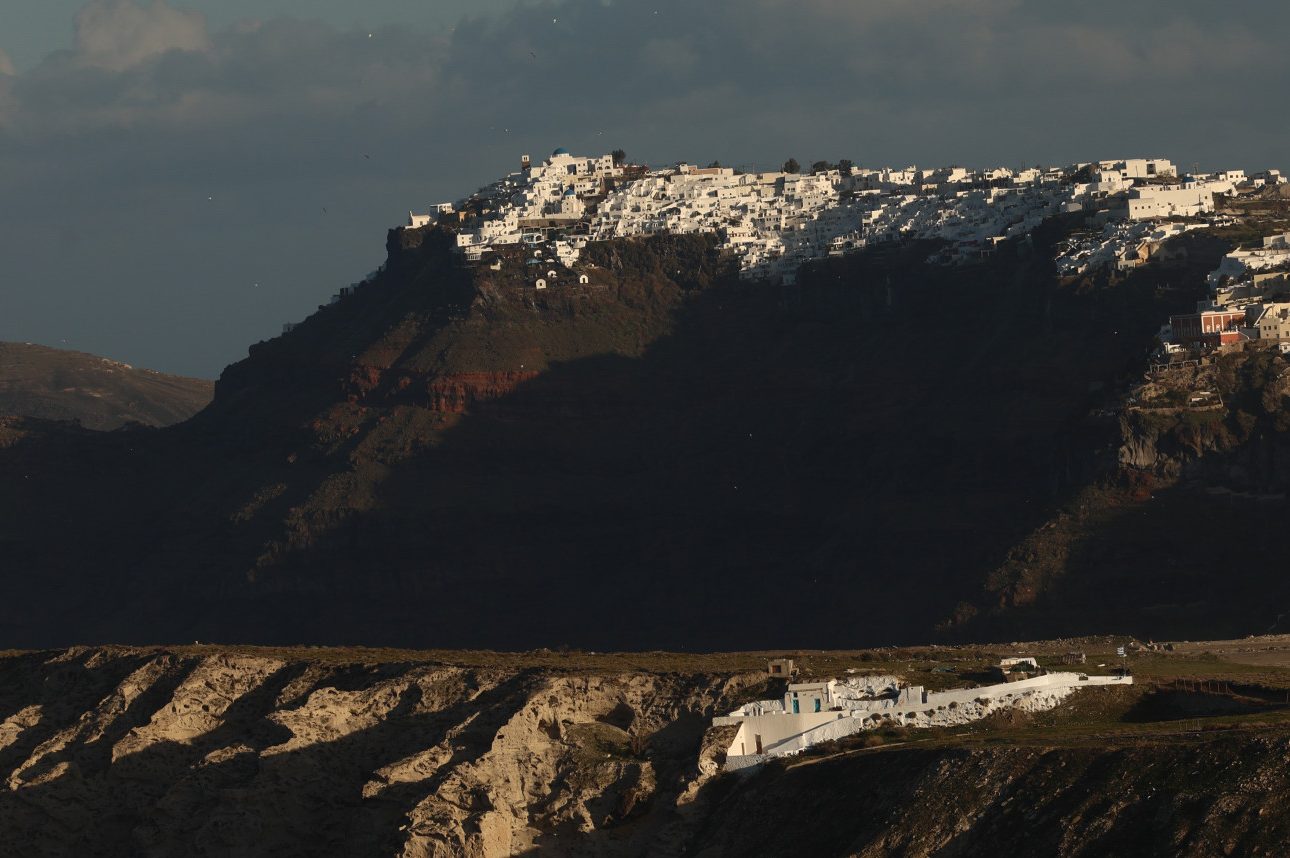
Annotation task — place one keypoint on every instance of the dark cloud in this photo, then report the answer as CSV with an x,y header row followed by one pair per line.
x,y
162,168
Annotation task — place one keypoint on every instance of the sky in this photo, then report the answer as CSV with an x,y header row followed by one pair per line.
x,y
180,177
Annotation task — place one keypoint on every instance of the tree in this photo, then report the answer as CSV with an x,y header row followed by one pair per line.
x,y
821,167
845,166
619,156
1084,174
714,164
791,166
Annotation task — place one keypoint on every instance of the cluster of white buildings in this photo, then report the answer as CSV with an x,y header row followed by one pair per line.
x,y
774,221
1249,300
1120,244
814,712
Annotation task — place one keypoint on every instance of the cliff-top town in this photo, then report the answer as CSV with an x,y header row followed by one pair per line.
x,y
772,222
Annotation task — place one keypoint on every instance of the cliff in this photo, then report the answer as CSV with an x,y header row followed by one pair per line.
x,y
662,456
1196,496
55,384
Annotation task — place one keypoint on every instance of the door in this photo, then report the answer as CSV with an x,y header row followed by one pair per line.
x,y
796,708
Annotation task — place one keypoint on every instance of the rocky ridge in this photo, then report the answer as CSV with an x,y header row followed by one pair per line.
x,y
205,751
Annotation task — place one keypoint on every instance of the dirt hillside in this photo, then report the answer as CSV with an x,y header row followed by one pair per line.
x,y
55,384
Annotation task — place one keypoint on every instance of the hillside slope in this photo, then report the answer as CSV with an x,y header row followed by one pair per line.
x,y
55,384
1184,533
664,456
215,752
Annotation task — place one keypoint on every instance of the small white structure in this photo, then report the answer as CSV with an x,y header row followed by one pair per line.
x,y
1271,320
416,221
814,712
809,697
780,667
540,284
551,274
1137,168
584,279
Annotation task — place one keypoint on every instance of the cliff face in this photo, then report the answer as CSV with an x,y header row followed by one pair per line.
x,y
54,384
660,456
1233,433
1197,495
107,752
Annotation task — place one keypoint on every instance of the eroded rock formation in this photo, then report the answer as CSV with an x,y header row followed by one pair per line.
x,y
128,752
199,751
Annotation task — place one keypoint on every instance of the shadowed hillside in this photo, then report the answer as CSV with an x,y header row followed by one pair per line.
x,y
53,384
663,456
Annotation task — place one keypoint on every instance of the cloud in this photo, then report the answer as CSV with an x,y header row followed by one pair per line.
x,y
118,34
563,67
267,124
673,57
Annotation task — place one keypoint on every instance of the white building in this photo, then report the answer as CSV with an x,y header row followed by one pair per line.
x,y
833,710
1154,202
809,697
1137,168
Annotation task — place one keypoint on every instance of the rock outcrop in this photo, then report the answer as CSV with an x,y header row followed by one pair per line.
x,y
203,751
116,752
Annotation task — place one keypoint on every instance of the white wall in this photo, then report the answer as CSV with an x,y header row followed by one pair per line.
x,y
785,734
1148,203
773,729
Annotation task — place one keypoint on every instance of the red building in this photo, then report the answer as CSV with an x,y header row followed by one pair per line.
x,y
1211,327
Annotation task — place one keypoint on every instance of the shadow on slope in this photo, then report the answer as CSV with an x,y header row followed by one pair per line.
x,y
834,464
704,464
